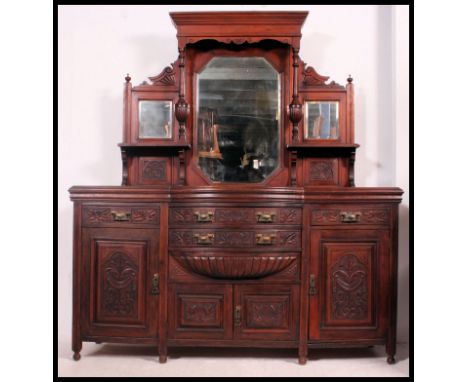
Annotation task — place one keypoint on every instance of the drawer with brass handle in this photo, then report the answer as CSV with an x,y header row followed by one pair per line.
x,y
226,216
115,215
349,214
235,238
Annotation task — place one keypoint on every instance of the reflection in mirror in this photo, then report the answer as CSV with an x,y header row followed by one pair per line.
x,y
321,120
238,119
155,119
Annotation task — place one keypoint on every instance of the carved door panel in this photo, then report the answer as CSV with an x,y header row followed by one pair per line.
x,y
266,312
118,296
200,311
348,284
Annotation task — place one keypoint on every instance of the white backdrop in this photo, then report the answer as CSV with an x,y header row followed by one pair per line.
x,y
98,45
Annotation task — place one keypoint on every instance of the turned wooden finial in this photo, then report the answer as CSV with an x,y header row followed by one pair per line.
x,y
350,79
127,78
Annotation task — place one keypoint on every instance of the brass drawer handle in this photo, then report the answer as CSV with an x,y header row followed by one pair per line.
x,y
204,217
312,290
155,284
264,239
204,239
237,315
350,217
120,216
265,218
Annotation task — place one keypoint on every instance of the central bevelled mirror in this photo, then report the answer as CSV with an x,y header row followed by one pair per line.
x,y
238,124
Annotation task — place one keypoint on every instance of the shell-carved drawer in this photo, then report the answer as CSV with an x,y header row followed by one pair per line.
x,y
235,238
240,265
120,215
235,215
349,214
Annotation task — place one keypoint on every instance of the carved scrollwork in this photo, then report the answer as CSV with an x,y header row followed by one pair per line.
x,y
119,286
349,288
166,78
310,77
266,314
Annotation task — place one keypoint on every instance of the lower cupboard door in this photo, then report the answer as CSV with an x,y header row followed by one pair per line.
x,y
266,312
118,270
349,278
200,311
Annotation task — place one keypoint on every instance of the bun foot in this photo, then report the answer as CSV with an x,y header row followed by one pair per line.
x,y
302,360
162,358
76,356
390,359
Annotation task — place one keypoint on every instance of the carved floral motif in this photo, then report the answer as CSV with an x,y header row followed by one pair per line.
x,y
198,312
266,314
154,170
119,286
94,215
322,170
349,289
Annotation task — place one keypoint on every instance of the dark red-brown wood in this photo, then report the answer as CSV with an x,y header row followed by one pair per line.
x,y
303,260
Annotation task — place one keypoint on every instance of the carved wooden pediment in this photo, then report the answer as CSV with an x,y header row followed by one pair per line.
x,y
310,77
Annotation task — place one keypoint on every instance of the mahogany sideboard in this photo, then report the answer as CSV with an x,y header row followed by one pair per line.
x,y
237,222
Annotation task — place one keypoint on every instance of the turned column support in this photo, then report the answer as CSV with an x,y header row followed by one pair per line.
x,y
295,107
182,108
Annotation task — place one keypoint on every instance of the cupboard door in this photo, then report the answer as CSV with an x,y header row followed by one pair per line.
x,y
200,311
118,298
266,312
348,284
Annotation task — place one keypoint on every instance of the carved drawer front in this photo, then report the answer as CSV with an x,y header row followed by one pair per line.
x,y
234,266
235,238
349,214
235,215
200,311
118,269
266,312
120,215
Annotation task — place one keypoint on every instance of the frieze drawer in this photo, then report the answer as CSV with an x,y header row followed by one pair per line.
x,y
235,238
120,215
349,215
235,215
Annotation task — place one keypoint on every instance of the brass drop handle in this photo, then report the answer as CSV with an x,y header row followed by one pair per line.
x,y
312,290
237,315
155,284
265,217
264,239
120,216
204,217
350,217
204,239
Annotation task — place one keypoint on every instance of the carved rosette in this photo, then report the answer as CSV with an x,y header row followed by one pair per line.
x,y
154,170
322,170
349,289
119,286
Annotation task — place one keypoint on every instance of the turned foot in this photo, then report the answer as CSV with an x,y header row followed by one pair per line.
x,y
76,356
390,359
162,358
302,360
